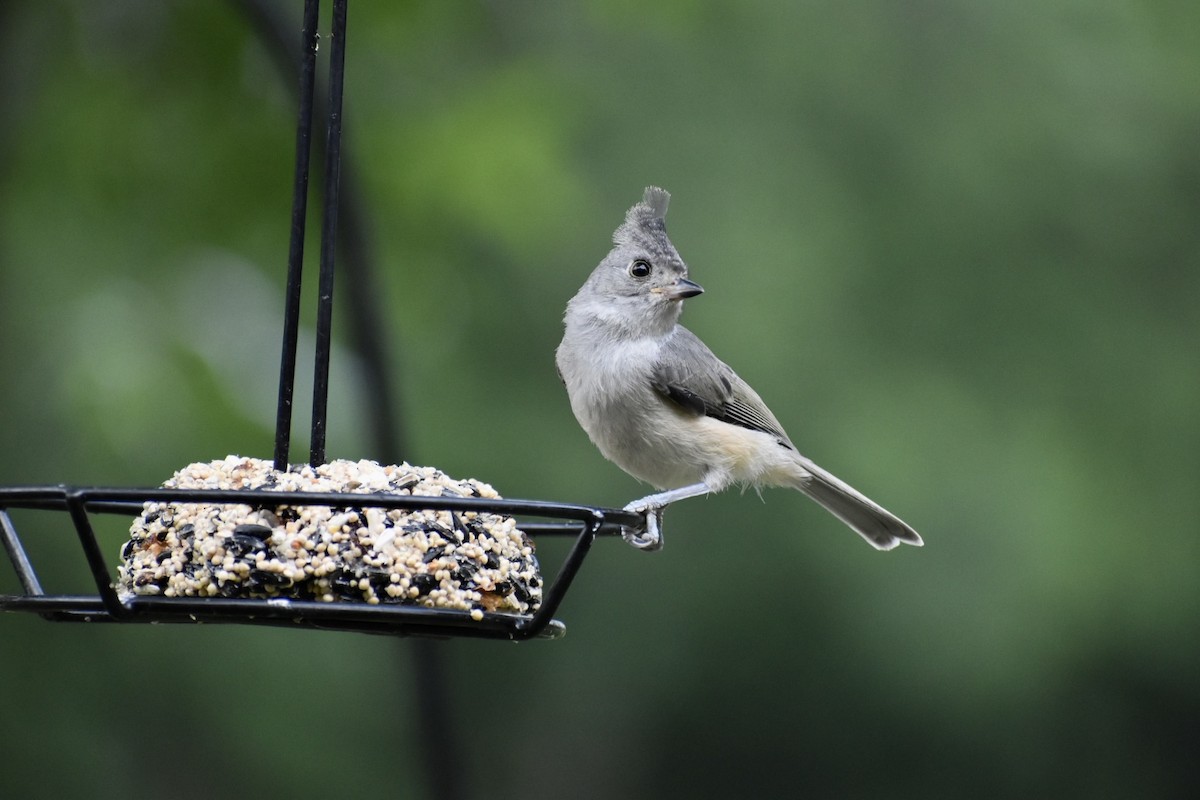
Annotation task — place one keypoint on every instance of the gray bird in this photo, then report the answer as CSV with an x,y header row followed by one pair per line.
x,y
662,407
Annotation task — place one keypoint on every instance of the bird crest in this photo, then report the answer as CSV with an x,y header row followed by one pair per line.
x,y
645,224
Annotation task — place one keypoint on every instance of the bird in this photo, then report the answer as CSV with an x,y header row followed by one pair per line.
x,y
658,403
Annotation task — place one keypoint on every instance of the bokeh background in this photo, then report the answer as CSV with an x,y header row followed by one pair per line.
x,y
954,244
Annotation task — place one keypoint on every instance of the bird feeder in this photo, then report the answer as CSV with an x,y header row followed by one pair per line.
x,y
345,540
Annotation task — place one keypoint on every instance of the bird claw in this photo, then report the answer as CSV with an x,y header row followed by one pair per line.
x,y
649,536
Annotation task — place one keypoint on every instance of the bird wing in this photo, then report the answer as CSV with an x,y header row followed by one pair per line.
x,y
690,376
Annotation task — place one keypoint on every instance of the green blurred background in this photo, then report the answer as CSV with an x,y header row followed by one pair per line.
x,y
954,244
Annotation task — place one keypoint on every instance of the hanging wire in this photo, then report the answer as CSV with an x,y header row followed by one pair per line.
x,y
291,312
333,155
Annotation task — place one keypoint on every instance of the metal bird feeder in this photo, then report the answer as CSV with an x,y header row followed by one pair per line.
x,y
81,505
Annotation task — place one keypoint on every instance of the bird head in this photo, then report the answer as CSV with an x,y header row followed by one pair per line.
x,y
642,281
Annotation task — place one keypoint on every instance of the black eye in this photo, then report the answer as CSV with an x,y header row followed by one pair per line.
x,y
640,268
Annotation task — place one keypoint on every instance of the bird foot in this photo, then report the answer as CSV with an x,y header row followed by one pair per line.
x,y
649,536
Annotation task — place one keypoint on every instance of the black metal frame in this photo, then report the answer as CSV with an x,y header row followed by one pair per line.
x,y
583,522
106,606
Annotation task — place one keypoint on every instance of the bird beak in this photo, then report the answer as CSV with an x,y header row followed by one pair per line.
x,y
681,289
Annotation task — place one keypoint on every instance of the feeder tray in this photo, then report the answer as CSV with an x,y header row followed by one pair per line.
x,y
82,504
584,523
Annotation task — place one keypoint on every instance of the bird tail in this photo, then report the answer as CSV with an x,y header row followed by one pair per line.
x,y
882,529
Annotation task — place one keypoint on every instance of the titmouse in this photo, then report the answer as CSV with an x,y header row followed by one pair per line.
x,y
662,407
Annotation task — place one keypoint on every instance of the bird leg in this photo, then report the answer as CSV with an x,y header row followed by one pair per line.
x,y
651,507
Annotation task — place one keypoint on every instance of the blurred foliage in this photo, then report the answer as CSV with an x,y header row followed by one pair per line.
x,y
954,244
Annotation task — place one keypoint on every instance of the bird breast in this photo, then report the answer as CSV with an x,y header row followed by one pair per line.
x,y
611,393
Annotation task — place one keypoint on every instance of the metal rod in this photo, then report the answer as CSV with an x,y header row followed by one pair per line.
x,y
554,595
391,620
291,312
115,500
333,151
54,606
18,556
91,551
535,529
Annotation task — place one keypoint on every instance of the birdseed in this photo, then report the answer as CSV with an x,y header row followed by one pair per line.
x,y
464,560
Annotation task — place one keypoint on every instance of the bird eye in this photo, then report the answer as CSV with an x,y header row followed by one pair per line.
x,y
640,268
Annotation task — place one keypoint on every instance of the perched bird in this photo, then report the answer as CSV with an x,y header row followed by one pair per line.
x,y
662,407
